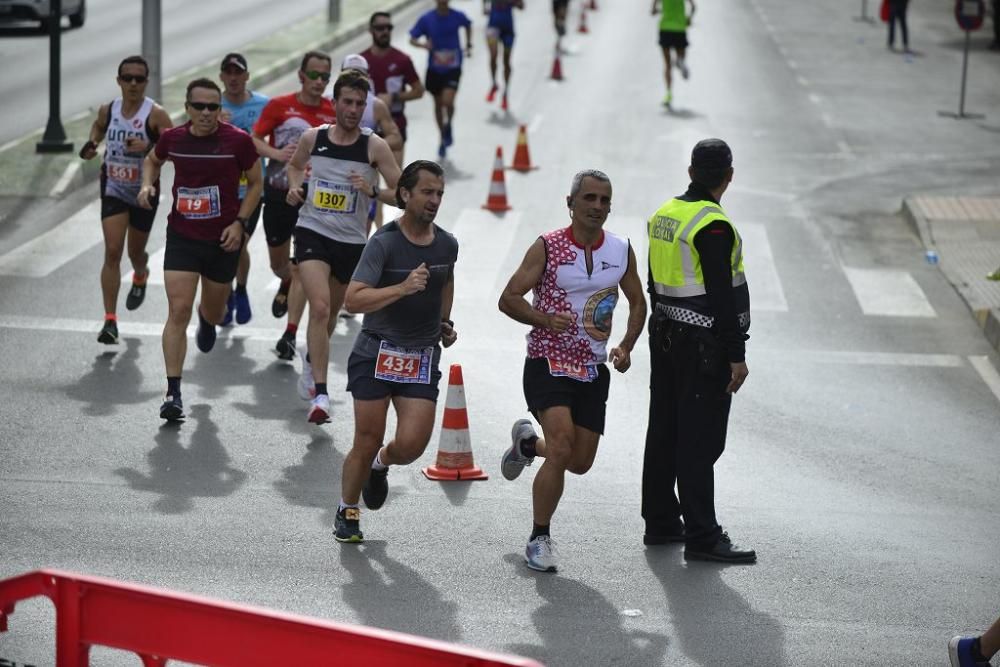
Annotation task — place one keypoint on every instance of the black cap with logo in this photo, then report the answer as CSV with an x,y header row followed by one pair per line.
x,y
236,59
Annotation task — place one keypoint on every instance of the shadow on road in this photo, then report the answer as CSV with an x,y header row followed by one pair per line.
x,y
112,381
714,624
316,481
387,594
579,626
179,474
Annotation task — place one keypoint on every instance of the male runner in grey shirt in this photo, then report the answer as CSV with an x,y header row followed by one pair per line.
x,y
405,284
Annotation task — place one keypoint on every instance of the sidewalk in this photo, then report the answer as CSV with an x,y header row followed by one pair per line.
x,y
965,234
25,173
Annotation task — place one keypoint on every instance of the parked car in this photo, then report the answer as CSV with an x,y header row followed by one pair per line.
x,y
38,10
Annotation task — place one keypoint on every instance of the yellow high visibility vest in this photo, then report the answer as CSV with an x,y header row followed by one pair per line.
x,y
673,259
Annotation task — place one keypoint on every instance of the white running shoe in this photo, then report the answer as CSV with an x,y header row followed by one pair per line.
x,y
514,460
683,67
319,410
540,554
307,385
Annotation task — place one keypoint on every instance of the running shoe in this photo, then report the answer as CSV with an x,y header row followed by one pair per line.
x,y
285,348
279,306
172,409
514,460
376,489
683,67
230,310
492,95
307,385
995,275
667,99
446,137
319,410
442,151
243,312
960,653
347,526
137,293
540,554
205,335
109,333
503,102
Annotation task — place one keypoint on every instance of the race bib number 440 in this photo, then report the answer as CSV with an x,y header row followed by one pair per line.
x,y
406,366
199,203
578,372
334,197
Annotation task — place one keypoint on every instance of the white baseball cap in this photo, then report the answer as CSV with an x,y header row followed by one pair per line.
x,y
355,61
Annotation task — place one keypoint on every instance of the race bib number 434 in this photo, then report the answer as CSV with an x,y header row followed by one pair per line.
x,y
406,366
334,197
199,203
578,372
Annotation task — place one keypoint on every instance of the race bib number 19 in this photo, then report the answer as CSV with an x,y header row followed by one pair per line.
x,y
199,203
578,372
406,366
334,197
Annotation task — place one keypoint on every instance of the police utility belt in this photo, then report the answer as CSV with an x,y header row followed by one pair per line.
x,y
673,321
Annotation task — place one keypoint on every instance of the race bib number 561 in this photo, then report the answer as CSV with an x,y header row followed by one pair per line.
x,y
406,366
199,203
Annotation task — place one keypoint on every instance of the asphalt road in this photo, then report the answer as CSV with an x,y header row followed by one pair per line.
x,y
862,460
192,33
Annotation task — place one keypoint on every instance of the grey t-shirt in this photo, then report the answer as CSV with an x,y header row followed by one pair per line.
x,y
388,258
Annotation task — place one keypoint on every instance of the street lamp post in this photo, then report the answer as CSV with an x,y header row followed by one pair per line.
x,y
54,139
334,13
151,48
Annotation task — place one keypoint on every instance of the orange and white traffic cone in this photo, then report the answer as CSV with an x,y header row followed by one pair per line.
x,y
556,68
497,199
522,158
583,20
454,457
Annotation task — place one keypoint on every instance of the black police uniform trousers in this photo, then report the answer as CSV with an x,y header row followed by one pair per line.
x,y
688,416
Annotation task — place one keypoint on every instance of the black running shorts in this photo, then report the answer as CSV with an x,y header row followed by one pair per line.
x,y
436,81
138,217
342,257
254,218
204,257
559,4
673,40
363,384
279,218
587,401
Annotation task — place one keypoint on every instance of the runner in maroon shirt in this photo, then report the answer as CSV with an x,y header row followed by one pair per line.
x,y
206,227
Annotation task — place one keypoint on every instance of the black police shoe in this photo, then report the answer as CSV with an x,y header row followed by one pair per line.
x,y
723,551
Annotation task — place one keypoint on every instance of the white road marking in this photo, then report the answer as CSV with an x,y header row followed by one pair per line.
x,y
766,293
815,99
71,170
66,241
878,358
484,240
535,124
804,82
987,372
154,329
888,292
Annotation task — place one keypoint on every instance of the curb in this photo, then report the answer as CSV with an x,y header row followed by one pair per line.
x,y
960,228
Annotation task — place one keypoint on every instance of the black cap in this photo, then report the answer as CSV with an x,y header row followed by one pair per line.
x,y
711,154
234,59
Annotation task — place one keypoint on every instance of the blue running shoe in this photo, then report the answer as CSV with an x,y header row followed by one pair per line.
x,y
172,409
205,336
446,137
960,653
347,526
442,150
230,310
243,312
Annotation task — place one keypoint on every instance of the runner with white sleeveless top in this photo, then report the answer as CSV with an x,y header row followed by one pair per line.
x,y
345,160
575,274
130,126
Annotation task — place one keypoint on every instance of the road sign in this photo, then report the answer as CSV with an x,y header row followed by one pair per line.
x,y
970,14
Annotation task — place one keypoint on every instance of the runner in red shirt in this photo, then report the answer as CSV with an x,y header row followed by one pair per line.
x,y
284,119
206,227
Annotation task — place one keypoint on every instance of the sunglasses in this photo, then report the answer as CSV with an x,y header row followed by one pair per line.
x,y
312,75
201,106
380,28
133,78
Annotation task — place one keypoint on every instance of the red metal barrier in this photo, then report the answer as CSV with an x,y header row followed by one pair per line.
x,y
159,625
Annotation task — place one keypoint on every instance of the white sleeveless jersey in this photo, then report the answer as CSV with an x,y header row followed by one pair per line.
x,y
368,119
122,169
567,285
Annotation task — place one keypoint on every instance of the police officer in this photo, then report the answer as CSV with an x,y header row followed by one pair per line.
x,y
698,329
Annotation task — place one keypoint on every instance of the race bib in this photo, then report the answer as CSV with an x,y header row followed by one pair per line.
x,y
331,197
244,184
123,170
199,203
492,33
446,58
405,366
578,372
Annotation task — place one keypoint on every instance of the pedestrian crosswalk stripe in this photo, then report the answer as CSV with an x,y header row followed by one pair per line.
x,y
66,241
888,292
484,244
766,293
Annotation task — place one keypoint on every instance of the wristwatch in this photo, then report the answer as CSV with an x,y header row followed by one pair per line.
x,y
243,222
374,191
